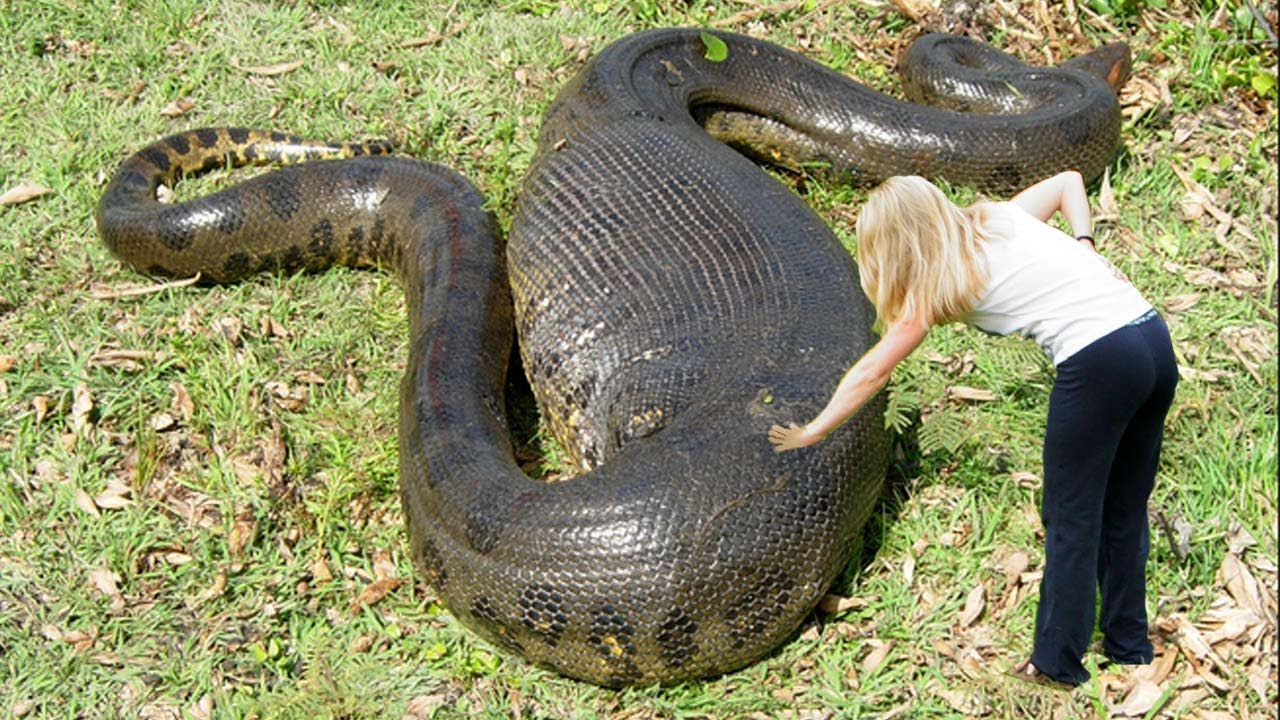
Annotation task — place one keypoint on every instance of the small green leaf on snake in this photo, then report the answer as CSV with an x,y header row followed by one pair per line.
x,y
717,51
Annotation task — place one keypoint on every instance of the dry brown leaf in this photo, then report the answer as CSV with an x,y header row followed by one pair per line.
x,y
201,709
182,404
361,644
956,536
1239,538
178,108
288,398
8,362
158,711
81,406
1158,670
384,568
874,659
229,328
969,394
109,659
85,503
215,590
124,359
241,535
273,70
1259,680
115,496
40,404
973,606
969,704
271,327
309,377
1108,208
1241,584
24,191
836,604
374,592
1232,624
424,707
915,9
1014,565
1181,303
944,647
1193,644
1141,698
108,583
1207,276
320,572
79,639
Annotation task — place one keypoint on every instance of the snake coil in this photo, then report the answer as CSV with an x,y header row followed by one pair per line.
x,y
672,302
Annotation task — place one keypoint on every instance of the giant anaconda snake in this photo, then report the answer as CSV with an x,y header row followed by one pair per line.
x,y
671,300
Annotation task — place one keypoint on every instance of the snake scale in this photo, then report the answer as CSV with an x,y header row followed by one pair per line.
x,y
671,301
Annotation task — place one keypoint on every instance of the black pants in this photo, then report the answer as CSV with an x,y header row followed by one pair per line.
x,y
1101,448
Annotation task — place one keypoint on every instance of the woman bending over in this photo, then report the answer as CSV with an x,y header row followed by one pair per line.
x,y
999,267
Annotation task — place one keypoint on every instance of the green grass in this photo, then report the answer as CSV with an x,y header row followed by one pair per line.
x,y
242,506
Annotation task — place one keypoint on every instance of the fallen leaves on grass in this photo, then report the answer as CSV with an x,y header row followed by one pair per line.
x,y
178,108
1229,651
423,707
241,535
385,580
115,496
974,603
1175,304
81,406
874,659
23,192
837,604
128,360
215,590
320,573
108,583
287,397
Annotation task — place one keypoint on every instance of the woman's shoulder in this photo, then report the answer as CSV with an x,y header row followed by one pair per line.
x,y
998,218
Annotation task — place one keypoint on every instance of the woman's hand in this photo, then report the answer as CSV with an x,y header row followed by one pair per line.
x,y
791,437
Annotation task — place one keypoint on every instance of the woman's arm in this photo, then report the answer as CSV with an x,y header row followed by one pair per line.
x,y
1063,192
859,385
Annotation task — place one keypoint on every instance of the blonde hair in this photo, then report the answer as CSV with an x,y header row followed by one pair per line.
x,y
919,255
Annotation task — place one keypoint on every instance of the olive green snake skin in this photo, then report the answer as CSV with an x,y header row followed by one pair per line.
x,y
672,302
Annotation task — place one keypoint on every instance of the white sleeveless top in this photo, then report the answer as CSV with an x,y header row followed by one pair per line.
x,y
1049,287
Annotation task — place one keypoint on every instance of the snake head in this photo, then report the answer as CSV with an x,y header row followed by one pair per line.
x,y
1110,63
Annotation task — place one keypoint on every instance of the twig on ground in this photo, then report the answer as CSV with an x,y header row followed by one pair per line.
x,y
102,293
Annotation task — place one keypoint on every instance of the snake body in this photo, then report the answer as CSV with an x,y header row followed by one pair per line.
x,y
671,301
